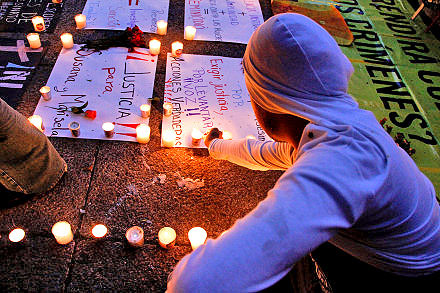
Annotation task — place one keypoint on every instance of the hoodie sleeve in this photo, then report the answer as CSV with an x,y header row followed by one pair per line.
x,y
308,205
253,154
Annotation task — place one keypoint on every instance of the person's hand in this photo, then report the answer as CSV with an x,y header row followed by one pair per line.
x,y
212,134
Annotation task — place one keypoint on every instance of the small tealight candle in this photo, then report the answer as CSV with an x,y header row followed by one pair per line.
x,y
45,93
135,236
176,49
154,46
196,136
17,235
38,23
99,231
34,40
74,128
67,40
167,108
143,133
37,121
167,237
197,236
161,27
62,232
145,110
227,135
168,138
109,129
190,32
80,20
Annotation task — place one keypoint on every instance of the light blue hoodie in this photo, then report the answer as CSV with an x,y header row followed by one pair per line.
x,y
347,183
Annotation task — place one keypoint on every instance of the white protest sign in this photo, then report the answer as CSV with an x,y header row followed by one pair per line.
x,y
118,15
114,82
207,92
223,20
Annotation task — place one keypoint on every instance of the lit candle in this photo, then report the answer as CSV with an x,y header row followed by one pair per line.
x,y
162,27
154,46
99,231
251,137
135,236
168,138
37,121
227,135
143,133
167,108
80,20
38,23
62,232
34,40
196,136
67,40
145,110
190,32
176,49
167,237
74,128
17,235
197,236
57,1
45,93
109,129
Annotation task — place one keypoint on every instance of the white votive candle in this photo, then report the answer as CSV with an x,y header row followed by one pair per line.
x,y
99,231
17,235
45,93
109,129
167,237
167,108
37,121
196,136
190,32
34,40
80,20
74,128
176,49
145,110
38,23
227,135
67,40
168,138
161,27
154,46
135,236
143,133
62,232
197,236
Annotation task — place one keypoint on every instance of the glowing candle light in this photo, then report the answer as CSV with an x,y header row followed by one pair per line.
x,y
250,137
135,236
62,232
161,27
145,110
190,32
34,40
176,49
45,93
143,133
197,236
196,136
37,121
154,46
227,135
109,129
167,237
38,23
80,20
57,1
99,231
168,138
167,108
67,40
17,235
74,128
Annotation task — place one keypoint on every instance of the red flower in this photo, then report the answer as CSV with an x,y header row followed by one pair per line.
x,y
90,114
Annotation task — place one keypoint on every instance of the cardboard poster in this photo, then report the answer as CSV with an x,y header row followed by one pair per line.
x,y
114,82
118,15
207,92
223,20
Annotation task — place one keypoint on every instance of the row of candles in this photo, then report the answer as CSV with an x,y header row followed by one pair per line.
x,y
62,231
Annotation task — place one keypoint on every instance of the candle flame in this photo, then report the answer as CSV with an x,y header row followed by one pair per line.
x,y
17,235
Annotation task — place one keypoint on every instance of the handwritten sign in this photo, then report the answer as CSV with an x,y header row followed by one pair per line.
x,y
223,20
207,92
118,15
114,82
